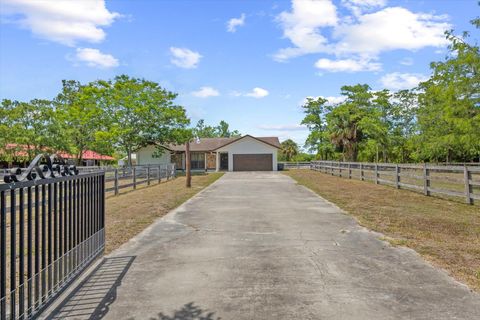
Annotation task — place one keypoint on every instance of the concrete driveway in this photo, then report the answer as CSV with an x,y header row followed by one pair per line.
x,y
259,246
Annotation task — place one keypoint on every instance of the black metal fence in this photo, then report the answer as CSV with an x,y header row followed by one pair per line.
x,y
51,228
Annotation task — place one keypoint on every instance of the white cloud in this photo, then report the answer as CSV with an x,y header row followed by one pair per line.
x,y
347,65
398,81
185,58
365,3
363,36
286,127
335,100
407,61
391,29
95,58
331,100
301,26
359,6
206,92
233,23
63,21
257,93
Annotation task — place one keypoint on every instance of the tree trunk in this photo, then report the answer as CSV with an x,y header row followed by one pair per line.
x,y
129,157
79,157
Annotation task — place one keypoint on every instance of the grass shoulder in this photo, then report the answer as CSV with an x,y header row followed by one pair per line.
x,y
446,233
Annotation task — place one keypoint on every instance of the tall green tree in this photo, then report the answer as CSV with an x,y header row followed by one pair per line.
x,y
222,130
32,126
141,112
449,111
6,131
318,140
350,121
404,126
80,116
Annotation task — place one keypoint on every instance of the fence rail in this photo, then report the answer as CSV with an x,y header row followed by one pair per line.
x,y
52,222
444,180
295,165
132,177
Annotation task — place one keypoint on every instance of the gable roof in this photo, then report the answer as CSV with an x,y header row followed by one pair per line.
x,y
272,141
212,144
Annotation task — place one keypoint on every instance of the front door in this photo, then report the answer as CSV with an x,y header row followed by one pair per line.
x,y
223,161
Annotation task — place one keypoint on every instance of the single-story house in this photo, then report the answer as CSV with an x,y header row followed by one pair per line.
x,y
246,153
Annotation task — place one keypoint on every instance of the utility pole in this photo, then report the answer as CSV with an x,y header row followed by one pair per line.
x,y
187,164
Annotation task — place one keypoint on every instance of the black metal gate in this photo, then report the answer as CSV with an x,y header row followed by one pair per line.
x,y
51,228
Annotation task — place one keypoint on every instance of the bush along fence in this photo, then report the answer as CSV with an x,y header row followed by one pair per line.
x,y
451,181
52,222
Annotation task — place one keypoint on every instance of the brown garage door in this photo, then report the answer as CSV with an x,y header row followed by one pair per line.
x,y
252,162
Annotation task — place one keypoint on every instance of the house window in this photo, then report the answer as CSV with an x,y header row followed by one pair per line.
x,y
197,160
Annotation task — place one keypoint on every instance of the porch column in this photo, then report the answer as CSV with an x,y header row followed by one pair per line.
x,y
205,163
217,162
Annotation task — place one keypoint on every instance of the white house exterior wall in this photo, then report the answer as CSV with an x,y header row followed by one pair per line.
x,y
248,145
145,156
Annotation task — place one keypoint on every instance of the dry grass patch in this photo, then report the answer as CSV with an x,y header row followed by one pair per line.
x,y
446,233
129,213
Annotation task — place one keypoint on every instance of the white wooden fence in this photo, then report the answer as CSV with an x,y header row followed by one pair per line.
x,y
445,180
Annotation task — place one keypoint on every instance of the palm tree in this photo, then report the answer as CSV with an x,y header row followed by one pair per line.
x,y
344,131
289,149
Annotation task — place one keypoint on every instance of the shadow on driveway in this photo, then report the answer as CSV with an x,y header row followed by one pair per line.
x,y
189,311
92,298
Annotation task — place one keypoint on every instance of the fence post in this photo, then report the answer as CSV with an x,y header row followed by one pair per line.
x,y
159,173
468,187
376,173
426,180
339,169
116,182
134,178
148,175
361,172
349,171
397,176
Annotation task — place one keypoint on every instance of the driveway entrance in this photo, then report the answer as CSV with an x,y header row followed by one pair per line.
x,y
259,246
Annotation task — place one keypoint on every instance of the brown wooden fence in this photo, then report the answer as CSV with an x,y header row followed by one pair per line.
x,y
117,179
451,181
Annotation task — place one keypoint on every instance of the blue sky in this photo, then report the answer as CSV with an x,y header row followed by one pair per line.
x,y
250,63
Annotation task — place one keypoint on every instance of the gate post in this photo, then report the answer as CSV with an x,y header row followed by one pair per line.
x,y
467,176
397,176
148,175
116,182
426,180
